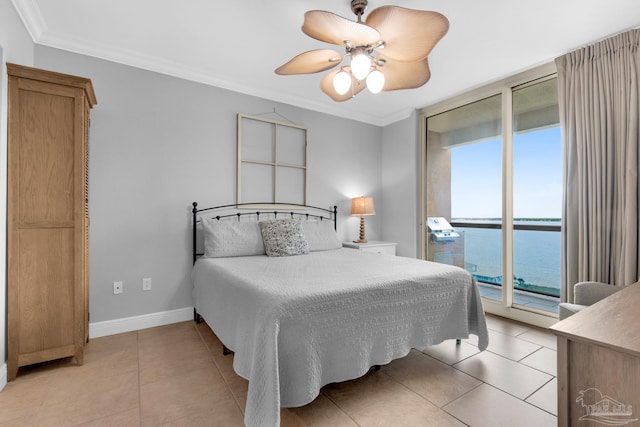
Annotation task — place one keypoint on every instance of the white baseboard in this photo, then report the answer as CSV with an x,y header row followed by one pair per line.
x,y
128,324
3,376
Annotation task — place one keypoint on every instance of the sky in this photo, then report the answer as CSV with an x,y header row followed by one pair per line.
x,y
476,177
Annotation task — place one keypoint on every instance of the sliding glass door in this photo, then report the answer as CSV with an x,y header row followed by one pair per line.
x,y
493,175
464,187
537,195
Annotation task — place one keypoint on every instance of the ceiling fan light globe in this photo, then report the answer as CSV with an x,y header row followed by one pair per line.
x,y
360,65
342,82
375,81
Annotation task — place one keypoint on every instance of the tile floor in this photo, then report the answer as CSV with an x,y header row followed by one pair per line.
x,y
541,302
176,375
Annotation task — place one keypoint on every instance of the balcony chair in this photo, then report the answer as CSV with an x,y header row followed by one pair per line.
x,y
586,294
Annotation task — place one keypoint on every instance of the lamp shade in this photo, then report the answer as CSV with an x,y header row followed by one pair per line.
x,y
362,206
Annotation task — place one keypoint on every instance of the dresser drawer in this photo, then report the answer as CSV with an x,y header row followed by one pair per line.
x,y
375,246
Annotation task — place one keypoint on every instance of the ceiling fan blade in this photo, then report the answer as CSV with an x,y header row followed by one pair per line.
x,y
409,34
310,62
331,28
405,75
327,87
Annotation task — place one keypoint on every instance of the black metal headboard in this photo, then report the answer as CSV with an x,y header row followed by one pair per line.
x,y
305,211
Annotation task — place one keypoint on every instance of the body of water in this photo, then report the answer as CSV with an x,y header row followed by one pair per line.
x,y
536,254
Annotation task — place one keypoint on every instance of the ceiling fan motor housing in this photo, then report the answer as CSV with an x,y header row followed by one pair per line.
x,y
358,7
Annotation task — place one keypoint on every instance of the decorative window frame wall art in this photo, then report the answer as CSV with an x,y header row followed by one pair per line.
x,y
272,161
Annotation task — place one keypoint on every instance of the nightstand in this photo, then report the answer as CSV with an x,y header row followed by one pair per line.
x,y
375,246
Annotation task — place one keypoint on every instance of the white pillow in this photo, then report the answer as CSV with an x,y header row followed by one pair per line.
x,y
229,238
321,235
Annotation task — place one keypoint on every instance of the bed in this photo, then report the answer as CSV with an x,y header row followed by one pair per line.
x,y
321,313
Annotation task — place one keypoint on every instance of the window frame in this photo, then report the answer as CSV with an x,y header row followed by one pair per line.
x,y
504,87
274,164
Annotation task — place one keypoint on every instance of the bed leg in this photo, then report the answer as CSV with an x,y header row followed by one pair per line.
x,y
458,341
376,367
225,350
196,317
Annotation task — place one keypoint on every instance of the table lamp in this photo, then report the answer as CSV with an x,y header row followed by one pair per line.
x,y
362,206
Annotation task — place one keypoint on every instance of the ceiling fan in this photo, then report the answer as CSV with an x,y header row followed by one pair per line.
x,y
388,52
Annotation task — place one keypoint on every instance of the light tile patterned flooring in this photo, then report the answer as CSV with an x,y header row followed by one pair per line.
x,y
176,375
525,298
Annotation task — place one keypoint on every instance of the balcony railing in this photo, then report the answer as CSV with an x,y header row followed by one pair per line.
x,y
536,256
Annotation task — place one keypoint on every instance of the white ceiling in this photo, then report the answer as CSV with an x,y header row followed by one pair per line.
x,y
237,44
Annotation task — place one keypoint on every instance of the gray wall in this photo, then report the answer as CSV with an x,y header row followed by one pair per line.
x,y
400,187
157,144
16,47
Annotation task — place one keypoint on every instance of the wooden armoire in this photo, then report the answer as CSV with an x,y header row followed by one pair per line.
x,y
47,216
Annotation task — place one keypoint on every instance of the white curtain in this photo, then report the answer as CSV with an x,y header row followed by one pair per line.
x,y
599,91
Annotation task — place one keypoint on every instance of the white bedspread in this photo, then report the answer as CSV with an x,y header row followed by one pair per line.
x,y
297,323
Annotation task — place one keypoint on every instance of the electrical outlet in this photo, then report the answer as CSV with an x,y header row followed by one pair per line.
x,y
146,284
118,288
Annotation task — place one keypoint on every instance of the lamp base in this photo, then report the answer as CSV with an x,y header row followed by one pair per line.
x,y
361,238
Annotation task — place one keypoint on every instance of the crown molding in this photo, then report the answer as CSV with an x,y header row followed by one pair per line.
x,y
154,64
34,22
36,26
405,113
32,18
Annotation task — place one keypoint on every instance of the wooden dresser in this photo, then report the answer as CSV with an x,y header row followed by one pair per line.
x,y
599,362
47,216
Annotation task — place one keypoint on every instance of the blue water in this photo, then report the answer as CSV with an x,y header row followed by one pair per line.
x,y
536,254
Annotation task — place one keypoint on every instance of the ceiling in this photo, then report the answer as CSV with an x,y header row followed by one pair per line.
x,y
238,44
